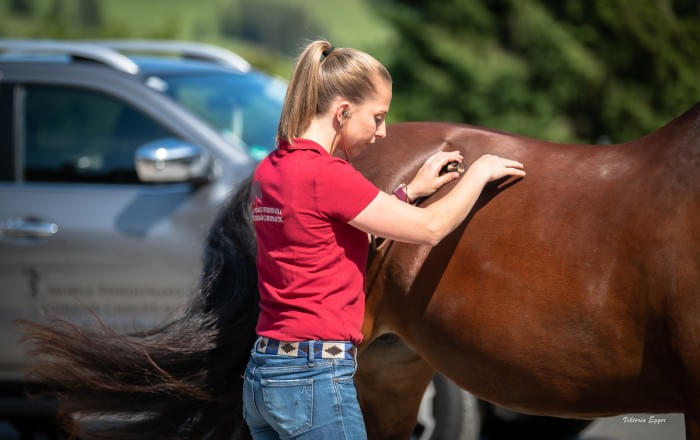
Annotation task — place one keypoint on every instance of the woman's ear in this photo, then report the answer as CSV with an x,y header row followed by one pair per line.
x,y
342,112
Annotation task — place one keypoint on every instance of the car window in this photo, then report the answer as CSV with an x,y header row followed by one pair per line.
x,y
78,135
240,107
6,147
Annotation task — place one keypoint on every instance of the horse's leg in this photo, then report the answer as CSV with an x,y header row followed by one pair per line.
x,y
692,427
692,411
391,379
684,337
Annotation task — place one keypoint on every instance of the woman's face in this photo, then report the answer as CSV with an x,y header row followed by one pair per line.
x,y
366,121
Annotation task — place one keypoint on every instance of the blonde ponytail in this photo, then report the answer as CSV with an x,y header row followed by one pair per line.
x,y
321,74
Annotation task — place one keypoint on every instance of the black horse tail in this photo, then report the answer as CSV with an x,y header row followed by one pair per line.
x,y
182,380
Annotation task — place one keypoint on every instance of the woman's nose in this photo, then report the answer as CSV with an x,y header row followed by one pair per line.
x,y
381,131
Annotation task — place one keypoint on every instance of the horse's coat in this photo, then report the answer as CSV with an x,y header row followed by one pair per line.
x,y
570,292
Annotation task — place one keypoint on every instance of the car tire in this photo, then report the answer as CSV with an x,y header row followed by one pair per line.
x,y
447,412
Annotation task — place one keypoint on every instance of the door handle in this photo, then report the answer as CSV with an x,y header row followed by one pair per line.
x,y
27,228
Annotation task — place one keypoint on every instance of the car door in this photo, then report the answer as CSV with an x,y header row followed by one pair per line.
x,y
81,238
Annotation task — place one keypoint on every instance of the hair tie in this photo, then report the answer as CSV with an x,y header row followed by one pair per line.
x,y
327,52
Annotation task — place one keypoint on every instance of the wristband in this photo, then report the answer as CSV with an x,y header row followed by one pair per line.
x,y
400,193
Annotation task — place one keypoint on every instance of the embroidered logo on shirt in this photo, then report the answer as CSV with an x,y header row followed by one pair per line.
x,y
267,214
262,213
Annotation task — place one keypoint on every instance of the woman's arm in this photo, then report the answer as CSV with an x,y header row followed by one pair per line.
x,y
388,217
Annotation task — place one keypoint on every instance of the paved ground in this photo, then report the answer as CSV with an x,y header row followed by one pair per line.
x,y
637,427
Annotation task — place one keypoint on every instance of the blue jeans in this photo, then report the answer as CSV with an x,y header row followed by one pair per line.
x,y
301,398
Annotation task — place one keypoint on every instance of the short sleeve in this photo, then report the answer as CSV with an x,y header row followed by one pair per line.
x,y
341,192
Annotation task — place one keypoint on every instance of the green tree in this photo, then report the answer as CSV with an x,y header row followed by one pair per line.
x,y
563,70
22,7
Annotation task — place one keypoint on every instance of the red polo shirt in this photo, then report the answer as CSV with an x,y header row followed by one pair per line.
x,y
311,262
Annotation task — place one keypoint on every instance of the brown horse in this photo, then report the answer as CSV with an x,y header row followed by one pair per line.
x,y
574,291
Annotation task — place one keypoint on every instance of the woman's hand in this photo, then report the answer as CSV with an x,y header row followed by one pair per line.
x,y
428,179
387,217
491,167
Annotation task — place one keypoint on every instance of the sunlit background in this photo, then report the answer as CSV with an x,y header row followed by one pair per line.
x,y
564,70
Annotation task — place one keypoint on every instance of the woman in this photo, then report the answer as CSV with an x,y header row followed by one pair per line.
x,y
311,212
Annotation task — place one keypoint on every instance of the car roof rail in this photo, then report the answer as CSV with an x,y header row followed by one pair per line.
x,y
185,49
74,49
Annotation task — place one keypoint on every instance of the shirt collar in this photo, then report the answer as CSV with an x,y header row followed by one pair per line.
x,y
301,144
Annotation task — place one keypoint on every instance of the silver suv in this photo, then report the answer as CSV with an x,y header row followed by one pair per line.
x,y
112,168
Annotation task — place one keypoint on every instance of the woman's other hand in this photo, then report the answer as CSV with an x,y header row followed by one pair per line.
x,y
428,179
491,167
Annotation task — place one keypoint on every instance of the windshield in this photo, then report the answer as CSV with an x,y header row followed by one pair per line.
x,y
240,107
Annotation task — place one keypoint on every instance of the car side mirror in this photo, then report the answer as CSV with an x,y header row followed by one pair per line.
x,y
172,160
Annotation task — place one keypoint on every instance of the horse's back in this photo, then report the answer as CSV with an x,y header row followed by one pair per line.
x,y
578,282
